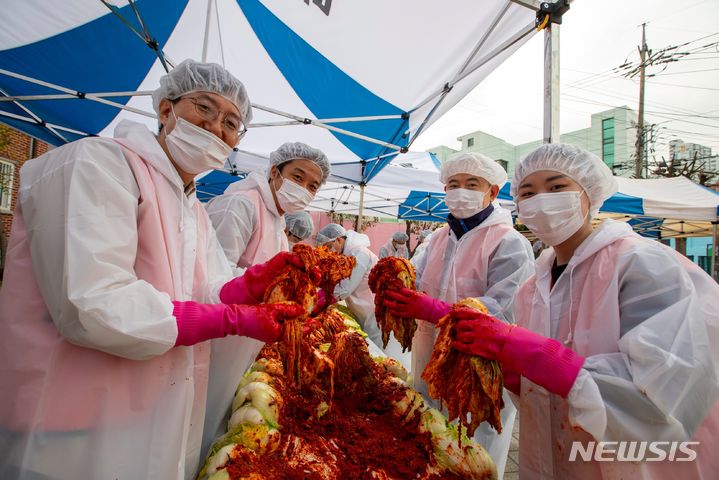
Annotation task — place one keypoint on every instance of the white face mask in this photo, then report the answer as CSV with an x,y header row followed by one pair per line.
x,y
292,245
552,217
194,149
293,198
463,203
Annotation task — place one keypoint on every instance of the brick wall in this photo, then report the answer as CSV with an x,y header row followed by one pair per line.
x,y
16,147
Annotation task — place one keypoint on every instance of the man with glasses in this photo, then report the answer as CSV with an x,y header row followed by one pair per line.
x,y
250,225
115,280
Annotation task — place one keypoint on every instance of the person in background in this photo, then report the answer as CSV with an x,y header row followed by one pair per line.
x,y
355,289
298,227
616,335
421,248
477,254
249,216
396,246
114,282
250,225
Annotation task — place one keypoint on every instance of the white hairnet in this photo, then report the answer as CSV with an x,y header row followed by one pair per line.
x,y
329,232
424,234
191,76
299,224
584,167
296,150
399,237
473,164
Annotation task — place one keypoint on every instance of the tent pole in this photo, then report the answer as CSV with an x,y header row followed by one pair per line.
x,y
87,96
207,30
715,252
361,207
551,83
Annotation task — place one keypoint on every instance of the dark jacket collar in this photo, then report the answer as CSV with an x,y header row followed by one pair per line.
x,y
460,227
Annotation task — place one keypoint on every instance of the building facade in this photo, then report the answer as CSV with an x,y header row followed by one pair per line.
x,y
684,152
15,149
611,136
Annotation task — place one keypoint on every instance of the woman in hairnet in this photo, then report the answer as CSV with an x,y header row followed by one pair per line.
x,y
249,216
477,254
114,281
395,246
250,224
298,227
616,336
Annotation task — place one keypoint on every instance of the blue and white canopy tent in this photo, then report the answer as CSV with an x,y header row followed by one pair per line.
x,y
360,80
668,208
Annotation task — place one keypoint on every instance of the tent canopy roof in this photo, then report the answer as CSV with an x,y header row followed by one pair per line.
x,y
359,80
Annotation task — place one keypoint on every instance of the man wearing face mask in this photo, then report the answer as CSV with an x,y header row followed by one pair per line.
x,y
299,227
114,283
249,216
250,225
395,246
617,336
477,254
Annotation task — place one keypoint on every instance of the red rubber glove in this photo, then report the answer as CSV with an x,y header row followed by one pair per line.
x,y
197,322
249,289
412,304
542,360
310,325
323,301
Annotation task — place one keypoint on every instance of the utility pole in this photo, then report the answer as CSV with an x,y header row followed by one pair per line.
x,y
639,150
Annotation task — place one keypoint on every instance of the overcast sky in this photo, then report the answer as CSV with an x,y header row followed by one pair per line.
x,y
596,37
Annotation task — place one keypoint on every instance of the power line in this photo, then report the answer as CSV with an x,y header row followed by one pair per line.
x,y
684,86
683,73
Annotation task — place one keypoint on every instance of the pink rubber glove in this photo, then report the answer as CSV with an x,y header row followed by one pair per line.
x,y
412,304
511,378
322,301
542,360
249,289
197,322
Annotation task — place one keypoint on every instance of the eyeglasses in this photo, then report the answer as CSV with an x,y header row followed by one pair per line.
x,y
231,124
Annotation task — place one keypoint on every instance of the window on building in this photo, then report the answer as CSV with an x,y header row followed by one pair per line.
x,y
608,141
504,164
470,142
7,177
704,263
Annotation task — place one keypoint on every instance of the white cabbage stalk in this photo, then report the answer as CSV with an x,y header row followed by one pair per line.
x,y
269,366
263,397
409,405
433,422
245,414
393,366
258,438
251,376
220,459
354,326
220,475
471,461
